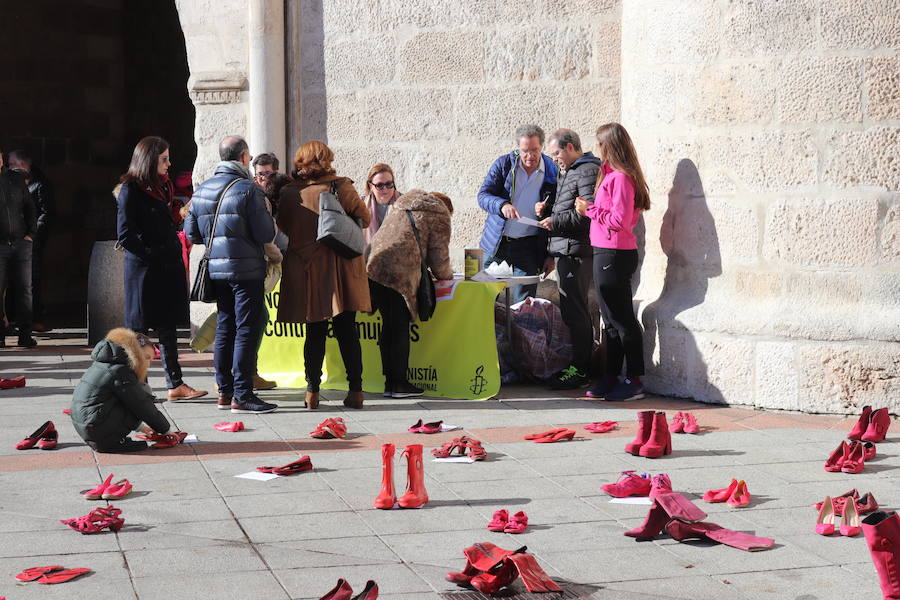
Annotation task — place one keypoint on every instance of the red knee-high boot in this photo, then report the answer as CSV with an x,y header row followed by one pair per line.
x,y
387,497
660,441
882,531
415,495
645,423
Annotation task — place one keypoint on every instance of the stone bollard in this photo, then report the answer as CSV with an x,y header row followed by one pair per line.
x,y
106,290
199,310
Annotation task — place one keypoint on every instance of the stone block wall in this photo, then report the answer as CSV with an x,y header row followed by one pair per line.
x,y
436,89
768,132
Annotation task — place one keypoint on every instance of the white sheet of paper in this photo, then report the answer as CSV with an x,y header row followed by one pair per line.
x,y
527,221
257,476
191,439
482,276
631,500
455,459
446,427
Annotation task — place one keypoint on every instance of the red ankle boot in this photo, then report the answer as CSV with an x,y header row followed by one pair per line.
x,y
882,530
645,422
861,425
415,495
878,426
387,497
660,441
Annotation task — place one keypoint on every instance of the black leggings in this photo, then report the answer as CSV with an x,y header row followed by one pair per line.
x,y
168,355
622,337
393,341
344,327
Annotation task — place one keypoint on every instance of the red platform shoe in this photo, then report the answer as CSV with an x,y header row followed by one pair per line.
x,y
660,441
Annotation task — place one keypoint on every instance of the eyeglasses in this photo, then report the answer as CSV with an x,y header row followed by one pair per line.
x,y
387,185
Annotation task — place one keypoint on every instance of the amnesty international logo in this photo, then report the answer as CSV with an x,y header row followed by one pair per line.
x,y
478,382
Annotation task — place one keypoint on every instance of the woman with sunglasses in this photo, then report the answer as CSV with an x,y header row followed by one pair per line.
x,y
380,194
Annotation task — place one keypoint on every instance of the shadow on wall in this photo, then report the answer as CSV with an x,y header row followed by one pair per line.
x,y
690,242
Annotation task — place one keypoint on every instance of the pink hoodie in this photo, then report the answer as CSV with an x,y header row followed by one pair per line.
x,y
612,214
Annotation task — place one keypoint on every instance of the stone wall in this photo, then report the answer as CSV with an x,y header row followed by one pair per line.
x,y
436,89
769,135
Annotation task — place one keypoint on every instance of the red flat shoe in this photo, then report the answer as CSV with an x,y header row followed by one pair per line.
x,y
169,440
677,425
330,428
37,572
839,501
537,436
40,433
868,450
498,523
740,497
837,458
298,466
601,427
565,434
866,504
690,423
49,440
232,427
518,523
721,495
63,576
9,384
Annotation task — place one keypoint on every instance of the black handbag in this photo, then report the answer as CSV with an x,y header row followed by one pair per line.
x,y
203,290
425,296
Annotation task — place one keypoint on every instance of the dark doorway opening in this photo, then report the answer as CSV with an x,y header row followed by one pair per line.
x,y
82,81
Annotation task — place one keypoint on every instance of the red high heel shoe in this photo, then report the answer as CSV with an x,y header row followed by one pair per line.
x,y
825,520
861,425
370,592
47,431
850,525
565,434
387,497
97,520
856,460
837,458
341,591
645,424
660,441
879,423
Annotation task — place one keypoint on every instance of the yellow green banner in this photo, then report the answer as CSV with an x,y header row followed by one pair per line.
x,y
453,355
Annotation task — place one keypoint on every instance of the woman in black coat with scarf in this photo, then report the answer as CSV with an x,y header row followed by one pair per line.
x,y
156,294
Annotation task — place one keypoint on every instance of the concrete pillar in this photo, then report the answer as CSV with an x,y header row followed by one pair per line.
x,y
266,78
106,291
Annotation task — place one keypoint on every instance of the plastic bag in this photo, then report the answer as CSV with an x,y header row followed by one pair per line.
x,y
541,344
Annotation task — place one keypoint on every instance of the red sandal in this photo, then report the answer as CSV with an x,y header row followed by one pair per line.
x,y
37,572
97,520
63,576
455,448
475,450
330,428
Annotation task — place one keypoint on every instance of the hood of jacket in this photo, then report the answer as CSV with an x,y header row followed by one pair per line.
x,y
419,200
121,347
233,167
587,157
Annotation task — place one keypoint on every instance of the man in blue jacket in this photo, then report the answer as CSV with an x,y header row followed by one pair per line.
x,y
237,266
515,183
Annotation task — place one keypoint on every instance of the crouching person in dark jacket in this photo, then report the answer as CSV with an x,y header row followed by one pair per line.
x,y
112,398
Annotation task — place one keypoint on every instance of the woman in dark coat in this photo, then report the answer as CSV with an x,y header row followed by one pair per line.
x,y
156,295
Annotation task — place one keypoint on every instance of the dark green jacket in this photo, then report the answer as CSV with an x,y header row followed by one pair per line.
x,y
109,401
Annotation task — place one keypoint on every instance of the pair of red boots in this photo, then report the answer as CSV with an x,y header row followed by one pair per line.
x,y
653,438
415,495
850,458
343,591
872,426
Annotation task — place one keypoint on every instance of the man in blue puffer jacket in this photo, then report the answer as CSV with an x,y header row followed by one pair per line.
x,y
515,183
237,266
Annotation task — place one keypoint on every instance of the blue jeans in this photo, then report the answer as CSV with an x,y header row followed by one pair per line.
x,y
526,257
237,335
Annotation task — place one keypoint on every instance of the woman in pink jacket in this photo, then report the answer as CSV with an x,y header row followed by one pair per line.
x,y
620,197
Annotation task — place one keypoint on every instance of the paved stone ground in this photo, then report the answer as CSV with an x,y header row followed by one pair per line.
x,y
194,531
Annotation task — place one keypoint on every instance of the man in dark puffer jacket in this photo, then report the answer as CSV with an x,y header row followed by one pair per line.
x,y
112,400
237,266
571,245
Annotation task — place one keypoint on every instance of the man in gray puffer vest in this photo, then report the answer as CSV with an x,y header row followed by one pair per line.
x,y
571,245
237,266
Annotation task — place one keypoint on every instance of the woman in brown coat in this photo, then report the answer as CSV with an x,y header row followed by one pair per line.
x,y
318,285
394,272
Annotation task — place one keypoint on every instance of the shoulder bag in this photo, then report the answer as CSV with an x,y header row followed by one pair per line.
x,y
203,290
337,230
425,296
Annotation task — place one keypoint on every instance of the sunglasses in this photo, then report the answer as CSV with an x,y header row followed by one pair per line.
x,y
388,185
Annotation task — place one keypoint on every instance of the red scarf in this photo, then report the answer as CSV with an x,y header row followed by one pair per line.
x,y
165,193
